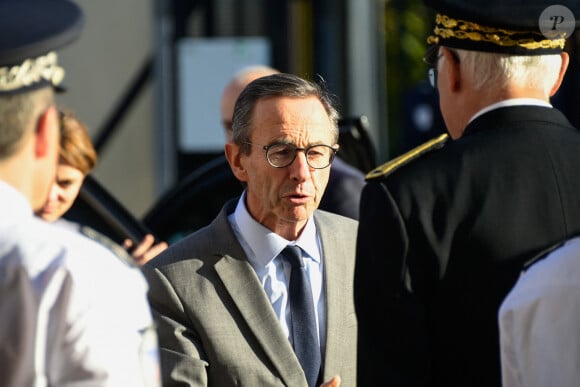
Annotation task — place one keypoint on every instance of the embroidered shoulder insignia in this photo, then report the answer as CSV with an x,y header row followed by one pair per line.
x,y
403,159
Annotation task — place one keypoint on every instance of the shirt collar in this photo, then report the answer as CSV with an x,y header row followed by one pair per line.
x,y
265,245
13,202
511,102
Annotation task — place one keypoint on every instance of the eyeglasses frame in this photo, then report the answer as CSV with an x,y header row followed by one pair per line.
x,y
432,58
266,148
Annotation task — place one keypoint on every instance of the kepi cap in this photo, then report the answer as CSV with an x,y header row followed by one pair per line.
x,y
515,27
30,33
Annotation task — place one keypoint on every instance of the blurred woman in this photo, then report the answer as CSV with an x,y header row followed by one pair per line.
x,y
76,159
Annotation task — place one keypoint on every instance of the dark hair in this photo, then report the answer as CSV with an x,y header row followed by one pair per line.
x,y
278,85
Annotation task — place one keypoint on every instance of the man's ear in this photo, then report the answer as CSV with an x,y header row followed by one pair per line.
x,y
563,67
46,125
233,154
452,68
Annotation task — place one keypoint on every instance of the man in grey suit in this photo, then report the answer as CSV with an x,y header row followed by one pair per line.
x,y
220,296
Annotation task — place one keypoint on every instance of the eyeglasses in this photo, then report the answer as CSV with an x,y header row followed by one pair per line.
x,y
281,155
431,58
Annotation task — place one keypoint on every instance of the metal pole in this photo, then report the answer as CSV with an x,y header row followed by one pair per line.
x,y
165,144
366,68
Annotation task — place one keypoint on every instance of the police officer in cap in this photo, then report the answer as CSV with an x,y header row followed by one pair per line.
x,y
71,313
445,229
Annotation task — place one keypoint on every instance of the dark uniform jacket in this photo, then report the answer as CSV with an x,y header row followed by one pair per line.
x,y
442,238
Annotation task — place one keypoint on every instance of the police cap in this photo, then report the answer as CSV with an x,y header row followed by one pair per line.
x,y
515,27
30,32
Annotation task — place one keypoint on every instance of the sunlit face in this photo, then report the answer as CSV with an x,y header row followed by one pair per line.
x,y
63,193
285,197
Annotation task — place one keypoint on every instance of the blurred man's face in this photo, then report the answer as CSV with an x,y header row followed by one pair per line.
x,y
232,92
227,109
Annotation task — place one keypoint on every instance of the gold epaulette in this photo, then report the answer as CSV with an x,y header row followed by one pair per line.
x,y
390,165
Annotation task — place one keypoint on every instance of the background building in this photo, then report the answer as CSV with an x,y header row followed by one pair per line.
x,y
126,77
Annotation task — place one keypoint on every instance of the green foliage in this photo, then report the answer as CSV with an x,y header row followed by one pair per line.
x,y
407,25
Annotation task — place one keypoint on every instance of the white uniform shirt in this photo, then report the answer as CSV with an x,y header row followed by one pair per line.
x,y
70,310
539,323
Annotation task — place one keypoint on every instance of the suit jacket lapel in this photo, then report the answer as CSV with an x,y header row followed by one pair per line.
x,y
333,246
245,290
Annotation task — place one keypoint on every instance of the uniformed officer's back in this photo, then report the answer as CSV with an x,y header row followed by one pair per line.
x,y
445,229
71,312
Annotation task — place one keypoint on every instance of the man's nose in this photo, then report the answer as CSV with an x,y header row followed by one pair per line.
x,y
300,168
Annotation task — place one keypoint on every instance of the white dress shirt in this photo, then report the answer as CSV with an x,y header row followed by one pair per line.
x,y
539,323
262,246
71,311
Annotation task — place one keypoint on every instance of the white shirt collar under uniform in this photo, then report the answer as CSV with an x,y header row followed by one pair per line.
x,y
13,202
511,102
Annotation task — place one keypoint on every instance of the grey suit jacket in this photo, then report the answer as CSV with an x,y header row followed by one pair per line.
x,y
216,325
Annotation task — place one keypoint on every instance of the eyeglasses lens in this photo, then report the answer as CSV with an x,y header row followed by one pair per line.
x,y
317,156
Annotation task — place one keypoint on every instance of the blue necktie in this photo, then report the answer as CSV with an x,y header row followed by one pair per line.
x,y
304,328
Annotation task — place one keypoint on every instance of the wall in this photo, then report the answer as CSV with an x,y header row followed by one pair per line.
x,y
100,66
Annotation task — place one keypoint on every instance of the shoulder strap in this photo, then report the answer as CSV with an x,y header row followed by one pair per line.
x,y
403,159
541,255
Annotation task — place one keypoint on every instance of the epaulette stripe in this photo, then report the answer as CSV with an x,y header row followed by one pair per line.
x,y
541,255
408,156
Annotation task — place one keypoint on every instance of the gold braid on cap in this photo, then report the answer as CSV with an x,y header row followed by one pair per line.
x,y
31,71
447,27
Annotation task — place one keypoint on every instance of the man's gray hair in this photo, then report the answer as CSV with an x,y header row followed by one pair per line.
x,y
498,70
278,85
